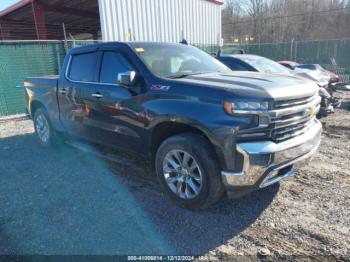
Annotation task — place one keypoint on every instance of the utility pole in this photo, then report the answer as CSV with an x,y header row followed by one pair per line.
x,y
291,49
65,37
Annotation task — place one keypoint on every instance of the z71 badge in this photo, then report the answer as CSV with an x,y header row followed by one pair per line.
x,y
160,88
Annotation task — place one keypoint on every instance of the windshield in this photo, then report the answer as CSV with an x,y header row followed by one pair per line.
x,y
176,61
263,64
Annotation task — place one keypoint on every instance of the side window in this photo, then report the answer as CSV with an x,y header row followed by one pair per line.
x,y
235,66
113,63
83,67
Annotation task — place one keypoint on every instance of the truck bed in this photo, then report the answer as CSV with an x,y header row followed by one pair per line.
x,y
42,81
42,90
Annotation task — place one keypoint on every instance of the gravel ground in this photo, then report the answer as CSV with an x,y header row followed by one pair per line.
x,y
64,201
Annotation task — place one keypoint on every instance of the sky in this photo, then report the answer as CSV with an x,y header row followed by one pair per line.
x,y
6,3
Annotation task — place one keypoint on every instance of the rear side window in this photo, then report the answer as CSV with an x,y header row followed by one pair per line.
x,y
113,63
235,66
311,67
83,67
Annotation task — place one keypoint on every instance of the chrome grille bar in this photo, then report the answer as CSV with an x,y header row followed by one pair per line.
x,y
290,121
289,129
293,102
301,118
277,113
286,135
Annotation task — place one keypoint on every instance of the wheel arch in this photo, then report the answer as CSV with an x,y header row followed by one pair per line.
x,y
166,129
35,105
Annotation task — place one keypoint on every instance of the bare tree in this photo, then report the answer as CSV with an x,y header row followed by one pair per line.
x,y
284,20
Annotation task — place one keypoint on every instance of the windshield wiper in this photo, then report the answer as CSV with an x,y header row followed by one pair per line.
x,y
178,76
185,75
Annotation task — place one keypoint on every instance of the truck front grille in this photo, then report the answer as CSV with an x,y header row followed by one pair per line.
x,y
291,118
285,133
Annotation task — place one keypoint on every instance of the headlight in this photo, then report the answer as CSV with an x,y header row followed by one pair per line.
x,y
245,106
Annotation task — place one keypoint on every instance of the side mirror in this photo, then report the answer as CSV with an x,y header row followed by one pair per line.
x,y
127,78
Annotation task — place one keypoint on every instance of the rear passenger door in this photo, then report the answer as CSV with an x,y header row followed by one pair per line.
x,y
75,90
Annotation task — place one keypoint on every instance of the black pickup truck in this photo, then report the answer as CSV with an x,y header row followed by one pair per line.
x,y
204,129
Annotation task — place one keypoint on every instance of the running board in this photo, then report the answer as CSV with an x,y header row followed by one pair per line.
x,y
87,148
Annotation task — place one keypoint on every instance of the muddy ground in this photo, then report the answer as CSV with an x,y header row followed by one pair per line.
x,y
63,201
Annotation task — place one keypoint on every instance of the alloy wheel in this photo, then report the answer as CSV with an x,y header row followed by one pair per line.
x,y
182,174
42,128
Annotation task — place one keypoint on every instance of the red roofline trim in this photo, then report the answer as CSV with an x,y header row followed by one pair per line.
x,y
23,3
15,6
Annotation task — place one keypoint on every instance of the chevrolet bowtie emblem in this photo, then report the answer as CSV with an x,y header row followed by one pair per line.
x,y
310,112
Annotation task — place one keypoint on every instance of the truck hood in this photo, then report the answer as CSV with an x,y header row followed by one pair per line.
x,y
256,84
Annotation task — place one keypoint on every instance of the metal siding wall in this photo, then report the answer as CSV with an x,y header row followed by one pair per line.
x,y
199,21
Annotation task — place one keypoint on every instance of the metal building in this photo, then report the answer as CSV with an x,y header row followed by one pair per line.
x,y
44,19
198,21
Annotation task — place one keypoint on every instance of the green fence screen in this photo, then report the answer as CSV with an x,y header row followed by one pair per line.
x,y
18,60
21,59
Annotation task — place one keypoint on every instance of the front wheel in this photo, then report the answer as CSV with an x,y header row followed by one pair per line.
x,y
188,171
46,135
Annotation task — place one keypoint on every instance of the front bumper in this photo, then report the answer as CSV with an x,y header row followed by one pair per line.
x,y
264,163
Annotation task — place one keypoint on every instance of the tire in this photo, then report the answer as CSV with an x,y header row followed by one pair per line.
x,y
46,135
197,189
324,106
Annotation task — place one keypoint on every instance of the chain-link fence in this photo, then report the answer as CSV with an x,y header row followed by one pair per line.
x,y
331,54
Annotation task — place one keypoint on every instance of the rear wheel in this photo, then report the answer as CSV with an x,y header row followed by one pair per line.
x,y
46,135
188,172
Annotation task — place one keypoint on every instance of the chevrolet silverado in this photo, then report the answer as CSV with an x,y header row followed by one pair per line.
x,y
204,129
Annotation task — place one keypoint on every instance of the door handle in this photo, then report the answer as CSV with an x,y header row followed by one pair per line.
x,y
62,90
97,95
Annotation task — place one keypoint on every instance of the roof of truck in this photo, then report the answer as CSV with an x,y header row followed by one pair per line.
x,y
132,44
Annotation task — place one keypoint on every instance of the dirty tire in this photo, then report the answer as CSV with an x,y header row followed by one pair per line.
x,y
46,135
198,147
324,104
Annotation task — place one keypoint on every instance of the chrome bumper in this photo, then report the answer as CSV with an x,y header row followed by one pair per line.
x,y
265,163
